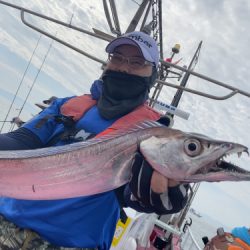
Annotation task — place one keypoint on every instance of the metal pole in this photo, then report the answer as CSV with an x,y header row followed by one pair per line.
x,y
146,16
115,17
60,41
137,16
227,86
68,25
184,212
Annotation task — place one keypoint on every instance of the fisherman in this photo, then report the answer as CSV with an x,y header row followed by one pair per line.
x,y
118,98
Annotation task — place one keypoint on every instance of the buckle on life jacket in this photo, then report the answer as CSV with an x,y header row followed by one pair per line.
x,y
69,129
67,121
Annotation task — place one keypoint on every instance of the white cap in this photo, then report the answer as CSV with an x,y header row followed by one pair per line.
x,y
143,41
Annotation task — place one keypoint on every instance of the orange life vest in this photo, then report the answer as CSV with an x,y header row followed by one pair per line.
x,y
76,107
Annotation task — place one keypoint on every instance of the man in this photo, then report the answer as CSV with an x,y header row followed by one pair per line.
x,y
118,98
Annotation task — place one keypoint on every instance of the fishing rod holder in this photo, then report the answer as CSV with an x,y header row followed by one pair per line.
x,y
108,38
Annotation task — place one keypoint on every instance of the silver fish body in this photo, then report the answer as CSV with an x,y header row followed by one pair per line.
x,y
103,164
73,170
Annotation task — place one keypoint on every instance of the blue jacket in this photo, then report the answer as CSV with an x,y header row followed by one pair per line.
x,y
76,222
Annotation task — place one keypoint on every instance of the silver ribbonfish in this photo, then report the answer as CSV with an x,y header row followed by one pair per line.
x,y
103,164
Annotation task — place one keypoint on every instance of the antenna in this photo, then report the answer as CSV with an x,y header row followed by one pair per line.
x,y
184,81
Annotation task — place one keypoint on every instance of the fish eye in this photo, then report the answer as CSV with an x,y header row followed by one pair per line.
x,y
192,147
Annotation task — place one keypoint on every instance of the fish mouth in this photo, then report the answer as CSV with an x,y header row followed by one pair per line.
x,y
221,170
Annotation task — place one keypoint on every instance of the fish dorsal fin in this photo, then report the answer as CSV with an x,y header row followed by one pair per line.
x,y
127,129
21,154
123,131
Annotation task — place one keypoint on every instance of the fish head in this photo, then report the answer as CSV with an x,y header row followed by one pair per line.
x,y
190,157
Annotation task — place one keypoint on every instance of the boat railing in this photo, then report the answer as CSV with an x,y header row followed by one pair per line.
x,y
188,242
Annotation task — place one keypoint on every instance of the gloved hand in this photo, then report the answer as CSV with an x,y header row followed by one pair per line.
x,y
140,194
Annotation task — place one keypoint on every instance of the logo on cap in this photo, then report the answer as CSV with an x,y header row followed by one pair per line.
x,y
139,39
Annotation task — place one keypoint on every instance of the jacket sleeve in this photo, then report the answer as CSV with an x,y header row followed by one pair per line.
x,y
44,125
19,139
36,132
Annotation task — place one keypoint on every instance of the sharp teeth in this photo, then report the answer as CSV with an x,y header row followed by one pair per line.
x,y
239,154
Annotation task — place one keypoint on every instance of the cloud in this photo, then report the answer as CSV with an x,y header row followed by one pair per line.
x,y
221,25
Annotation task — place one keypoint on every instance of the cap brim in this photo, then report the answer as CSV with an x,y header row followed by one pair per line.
x,y
120,41
128,41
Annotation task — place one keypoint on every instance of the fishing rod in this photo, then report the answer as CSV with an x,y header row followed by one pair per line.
x,y
21,82
34,81
33,84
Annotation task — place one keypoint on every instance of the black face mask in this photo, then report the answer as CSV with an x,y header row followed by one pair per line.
x,y
122,93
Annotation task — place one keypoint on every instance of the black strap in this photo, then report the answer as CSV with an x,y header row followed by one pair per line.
x,y
69,133
120,197
69,129
123,216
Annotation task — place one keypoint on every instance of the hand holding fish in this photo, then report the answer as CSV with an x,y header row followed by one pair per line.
x,y
160,183
152,190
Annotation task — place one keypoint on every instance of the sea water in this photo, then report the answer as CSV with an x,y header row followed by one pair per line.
x,y
204,226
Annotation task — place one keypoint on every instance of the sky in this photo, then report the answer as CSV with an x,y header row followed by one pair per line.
x,y
225,56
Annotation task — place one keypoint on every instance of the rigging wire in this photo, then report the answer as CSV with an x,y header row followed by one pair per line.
x,y
21,82
72,15
21,109
33,83
136,2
